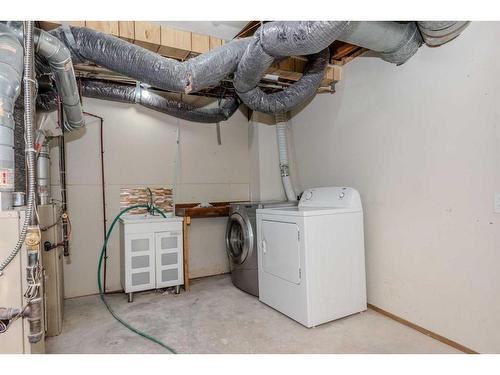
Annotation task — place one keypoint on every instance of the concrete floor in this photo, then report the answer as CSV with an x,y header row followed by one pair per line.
x,y
215,317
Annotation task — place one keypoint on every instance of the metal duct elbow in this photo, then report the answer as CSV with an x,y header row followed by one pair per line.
x,y
11,69
437,33
59,59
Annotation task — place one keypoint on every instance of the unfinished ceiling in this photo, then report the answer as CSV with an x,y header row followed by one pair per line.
x,y
184,40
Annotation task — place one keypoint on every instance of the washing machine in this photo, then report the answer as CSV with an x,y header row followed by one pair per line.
x,y
241,243
312,257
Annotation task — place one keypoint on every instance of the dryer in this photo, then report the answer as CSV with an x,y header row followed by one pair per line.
x,y
241,243
311,257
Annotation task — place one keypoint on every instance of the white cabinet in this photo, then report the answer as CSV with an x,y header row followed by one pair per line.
x,y
151,253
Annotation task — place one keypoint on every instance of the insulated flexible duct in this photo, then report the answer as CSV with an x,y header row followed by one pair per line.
x,y
436,33
132,94
303,89
145,66
279,39
11,68
116,92
248,58
395,41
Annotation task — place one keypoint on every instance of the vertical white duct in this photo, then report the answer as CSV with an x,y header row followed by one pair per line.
x,y
283,157
11,68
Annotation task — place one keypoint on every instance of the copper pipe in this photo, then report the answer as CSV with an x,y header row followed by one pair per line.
x,y
104,214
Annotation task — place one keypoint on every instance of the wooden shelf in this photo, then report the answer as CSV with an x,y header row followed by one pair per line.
x,y
218,209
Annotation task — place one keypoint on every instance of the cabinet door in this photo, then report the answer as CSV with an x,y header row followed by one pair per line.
x,y
169,261
140,262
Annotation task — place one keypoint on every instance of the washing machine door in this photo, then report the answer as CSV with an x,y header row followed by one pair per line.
x,y
239,238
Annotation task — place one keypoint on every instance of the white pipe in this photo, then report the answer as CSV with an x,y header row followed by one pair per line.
x,y
283,157
43,174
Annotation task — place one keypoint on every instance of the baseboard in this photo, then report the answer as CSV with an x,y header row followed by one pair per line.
x,y
426,332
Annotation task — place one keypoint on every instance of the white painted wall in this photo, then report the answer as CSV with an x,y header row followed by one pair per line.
x,y
265,181
140,150
421,142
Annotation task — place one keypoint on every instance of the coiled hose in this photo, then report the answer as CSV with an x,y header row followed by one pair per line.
x,y
99,283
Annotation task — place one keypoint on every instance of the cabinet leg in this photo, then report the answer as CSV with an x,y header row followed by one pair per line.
x,y
131,297
177,289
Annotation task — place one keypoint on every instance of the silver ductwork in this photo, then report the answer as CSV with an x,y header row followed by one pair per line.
x,y
292,96
437,33
247,58
133,61
395,41
137,95
151,100
11,69
58,58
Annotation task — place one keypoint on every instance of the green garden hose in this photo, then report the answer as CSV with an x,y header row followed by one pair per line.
x,y
101,292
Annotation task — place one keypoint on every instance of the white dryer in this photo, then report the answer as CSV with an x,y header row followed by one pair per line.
x,y
312,258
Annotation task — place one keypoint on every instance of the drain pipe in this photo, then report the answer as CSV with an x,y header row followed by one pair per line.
x,y
62,180
283,157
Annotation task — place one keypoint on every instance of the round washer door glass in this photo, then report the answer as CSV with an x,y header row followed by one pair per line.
x,y
239,238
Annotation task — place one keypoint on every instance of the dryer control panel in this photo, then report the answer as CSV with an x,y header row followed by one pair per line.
x,y
335,197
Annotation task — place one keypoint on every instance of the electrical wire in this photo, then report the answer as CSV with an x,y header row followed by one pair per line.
x,y
99,283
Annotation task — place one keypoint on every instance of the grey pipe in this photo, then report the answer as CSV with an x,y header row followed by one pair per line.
x,y
11,68
395,41
58,57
